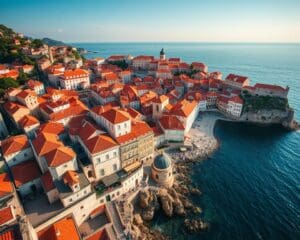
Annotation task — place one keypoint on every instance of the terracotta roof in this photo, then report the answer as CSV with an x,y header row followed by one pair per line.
x,y
87,131
76,73
14,144
270,87
51,127
8,235
28,121
143,58
99,143
171,123
64,229
59,156
103,108
33,83
138,129
45,142
13,108
161,99
6,215
184,108
47,182
71,177
25,93
115,116
5,185
25,172
236,78
236,99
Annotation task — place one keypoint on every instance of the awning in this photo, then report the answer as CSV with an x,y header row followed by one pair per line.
x,y
110,180
132,167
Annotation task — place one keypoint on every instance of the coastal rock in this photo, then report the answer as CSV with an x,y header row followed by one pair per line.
x,y
197,210
166,201
179,208
144,198
148,213
135,232
194,226
186,203
137,219
195,191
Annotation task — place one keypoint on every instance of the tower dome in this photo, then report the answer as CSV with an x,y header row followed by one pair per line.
x,y
162,161
161,171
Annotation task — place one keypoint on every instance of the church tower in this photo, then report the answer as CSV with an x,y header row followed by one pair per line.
x,y
162,54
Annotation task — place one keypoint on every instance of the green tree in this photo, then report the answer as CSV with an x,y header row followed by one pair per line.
x,y
6,83
37,43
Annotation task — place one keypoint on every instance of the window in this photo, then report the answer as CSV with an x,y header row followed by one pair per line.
x,y
157,108
81,207
70,200
115,167
115,154
66,165
107,156
25,154
119,127
102,172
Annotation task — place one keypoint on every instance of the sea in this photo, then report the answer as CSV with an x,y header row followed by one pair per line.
x,y
251,184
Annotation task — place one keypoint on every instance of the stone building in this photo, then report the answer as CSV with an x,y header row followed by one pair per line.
x,y
162,171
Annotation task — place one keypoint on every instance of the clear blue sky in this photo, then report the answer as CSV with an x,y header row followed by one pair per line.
x,y
155,20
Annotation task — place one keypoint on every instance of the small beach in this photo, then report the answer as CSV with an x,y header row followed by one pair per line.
x,y
201,138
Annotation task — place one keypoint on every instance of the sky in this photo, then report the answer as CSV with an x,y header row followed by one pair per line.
x,y
155,20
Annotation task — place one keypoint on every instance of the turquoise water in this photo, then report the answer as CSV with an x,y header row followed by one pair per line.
x,y
251,185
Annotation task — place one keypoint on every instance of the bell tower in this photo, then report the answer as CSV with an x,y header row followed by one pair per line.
x,y
162,54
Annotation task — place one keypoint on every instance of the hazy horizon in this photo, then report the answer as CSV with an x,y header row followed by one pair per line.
x,y
233,21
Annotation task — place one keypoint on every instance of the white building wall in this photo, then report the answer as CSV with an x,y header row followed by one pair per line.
x,y
106,163
59,171
76,196
19,157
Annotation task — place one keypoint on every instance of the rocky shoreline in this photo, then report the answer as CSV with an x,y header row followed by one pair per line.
x,y
176,201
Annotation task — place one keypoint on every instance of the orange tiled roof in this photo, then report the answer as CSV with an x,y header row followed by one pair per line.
x,y
45,142
25,93
6,215
28,121
236,99
71,177
171,123
59,156
25,172
115,116
5,185
8,235
64,229
13,108
236,78
184,108
47,181
138,129
14,144
99,143
76,73
51,127
161,99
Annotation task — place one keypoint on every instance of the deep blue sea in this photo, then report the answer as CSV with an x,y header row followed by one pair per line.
x,y
251,185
